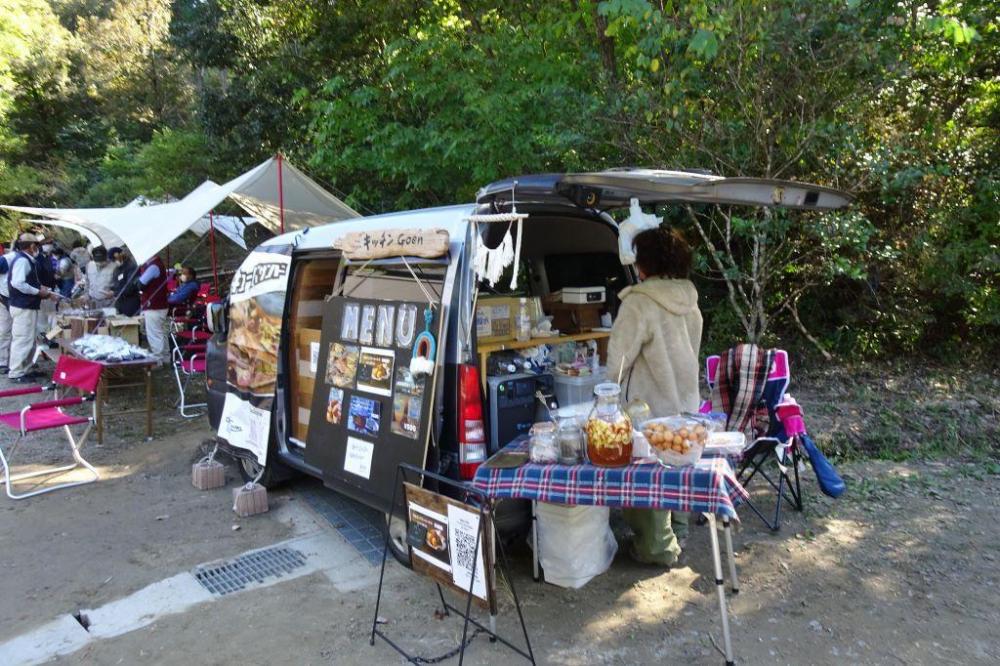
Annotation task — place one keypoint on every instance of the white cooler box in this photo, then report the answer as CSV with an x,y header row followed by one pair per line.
x,y
575,543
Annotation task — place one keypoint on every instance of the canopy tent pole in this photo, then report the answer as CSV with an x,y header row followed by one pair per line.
x,y
281,196
215,264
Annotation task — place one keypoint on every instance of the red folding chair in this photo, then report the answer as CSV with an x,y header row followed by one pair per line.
x,y
189,361
70,374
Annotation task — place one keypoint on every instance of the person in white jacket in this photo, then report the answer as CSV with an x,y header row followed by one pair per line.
x,y
655,341
6,322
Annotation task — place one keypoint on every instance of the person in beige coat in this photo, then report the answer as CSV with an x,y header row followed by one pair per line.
x,y
654,345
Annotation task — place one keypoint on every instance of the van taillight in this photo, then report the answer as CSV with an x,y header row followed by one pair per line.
x,y
471,429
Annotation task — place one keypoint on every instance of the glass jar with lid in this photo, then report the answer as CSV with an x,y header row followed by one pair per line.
x,y
609,428
571,450
543,447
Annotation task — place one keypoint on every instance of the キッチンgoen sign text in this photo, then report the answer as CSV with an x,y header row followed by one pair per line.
x,y
383,243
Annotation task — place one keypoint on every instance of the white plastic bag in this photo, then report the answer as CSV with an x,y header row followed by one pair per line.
x,y
575,543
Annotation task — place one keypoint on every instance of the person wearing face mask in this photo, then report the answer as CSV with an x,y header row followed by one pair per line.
x,y
656,340
26,294
100,274
125,284
185,294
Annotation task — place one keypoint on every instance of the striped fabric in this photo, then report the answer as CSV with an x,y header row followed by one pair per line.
x,y
739,384
709,486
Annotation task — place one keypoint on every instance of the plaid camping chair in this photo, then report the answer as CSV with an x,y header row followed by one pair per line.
x,y
748,385
71,374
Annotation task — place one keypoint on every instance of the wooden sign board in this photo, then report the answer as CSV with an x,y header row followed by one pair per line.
x,y
441,533
384,243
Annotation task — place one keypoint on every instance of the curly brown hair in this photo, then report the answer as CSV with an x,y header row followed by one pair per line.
x,y
663,252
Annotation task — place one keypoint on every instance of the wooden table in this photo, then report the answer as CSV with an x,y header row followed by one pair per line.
x,y
484,349
114,370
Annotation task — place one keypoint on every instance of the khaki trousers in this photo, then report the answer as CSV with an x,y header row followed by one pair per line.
x,y
156,333
5,333
22,348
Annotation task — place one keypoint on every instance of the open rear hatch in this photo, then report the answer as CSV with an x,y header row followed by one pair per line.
x,y
615,188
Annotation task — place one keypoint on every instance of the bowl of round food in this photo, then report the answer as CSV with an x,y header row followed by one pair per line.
x,y
675,440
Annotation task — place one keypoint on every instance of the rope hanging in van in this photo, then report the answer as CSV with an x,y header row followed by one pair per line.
x,y
491,262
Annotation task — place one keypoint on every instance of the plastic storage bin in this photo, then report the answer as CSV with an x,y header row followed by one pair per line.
x,y
576,390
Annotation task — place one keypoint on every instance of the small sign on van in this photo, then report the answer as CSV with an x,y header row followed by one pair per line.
x,y
424,243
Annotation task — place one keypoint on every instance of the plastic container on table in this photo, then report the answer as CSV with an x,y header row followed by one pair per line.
x,y
676,440
574,390
725,443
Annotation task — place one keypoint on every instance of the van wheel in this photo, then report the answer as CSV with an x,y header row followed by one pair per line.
x,y
274,473
400,550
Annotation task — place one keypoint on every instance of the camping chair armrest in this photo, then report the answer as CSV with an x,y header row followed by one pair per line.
x,y
195,348
62,402
9,393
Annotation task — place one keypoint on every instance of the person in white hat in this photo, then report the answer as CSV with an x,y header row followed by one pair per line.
x,y
26,294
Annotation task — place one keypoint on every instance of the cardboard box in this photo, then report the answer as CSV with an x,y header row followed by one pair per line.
x,y
496,317
81,326
573,317
126,328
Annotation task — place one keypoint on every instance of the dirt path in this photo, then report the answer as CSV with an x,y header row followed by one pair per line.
x,y
142,522
900,571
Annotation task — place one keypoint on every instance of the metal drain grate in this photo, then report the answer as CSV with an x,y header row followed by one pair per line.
x,y
236,574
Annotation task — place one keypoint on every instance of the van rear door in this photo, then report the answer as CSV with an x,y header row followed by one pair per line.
x,y
615,188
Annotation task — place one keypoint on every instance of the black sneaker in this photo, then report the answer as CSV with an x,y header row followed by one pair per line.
x,y
25,379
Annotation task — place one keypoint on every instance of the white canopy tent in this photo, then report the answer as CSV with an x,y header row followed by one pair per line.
x,y
280,196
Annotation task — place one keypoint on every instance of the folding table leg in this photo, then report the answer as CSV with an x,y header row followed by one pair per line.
x,y
727,528
720,587
534,541
149,403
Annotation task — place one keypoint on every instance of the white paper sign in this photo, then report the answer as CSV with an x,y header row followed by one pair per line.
x,y
245,426
313,357
358,459
463,526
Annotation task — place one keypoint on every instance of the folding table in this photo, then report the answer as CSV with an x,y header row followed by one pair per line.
x,y
708,487
116,369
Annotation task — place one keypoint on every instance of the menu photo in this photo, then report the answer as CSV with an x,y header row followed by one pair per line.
x,y
365,416
341,365
407,404
375,370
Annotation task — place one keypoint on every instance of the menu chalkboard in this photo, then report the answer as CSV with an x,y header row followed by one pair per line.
x,y
369,412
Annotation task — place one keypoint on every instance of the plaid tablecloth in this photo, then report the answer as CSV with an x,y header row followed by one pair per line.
x,y
708,486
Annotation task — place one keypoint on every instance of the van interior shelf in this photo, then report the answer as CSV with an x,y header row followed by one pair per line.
x,y
484,349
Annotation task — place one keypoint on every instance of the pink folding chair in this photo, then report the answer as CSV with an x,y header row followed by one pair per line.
x,y
71,374
774,432
189,361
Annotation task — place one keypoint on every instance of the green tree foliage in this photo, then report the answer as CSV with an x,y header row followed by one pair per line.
x,y
420,102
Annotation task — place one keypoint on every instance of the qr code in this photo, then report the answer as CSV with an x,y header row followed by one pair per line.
x,y
465,549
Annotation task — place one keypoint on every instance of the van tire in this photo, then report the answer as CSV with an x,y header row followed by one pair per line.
x,y
274,472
